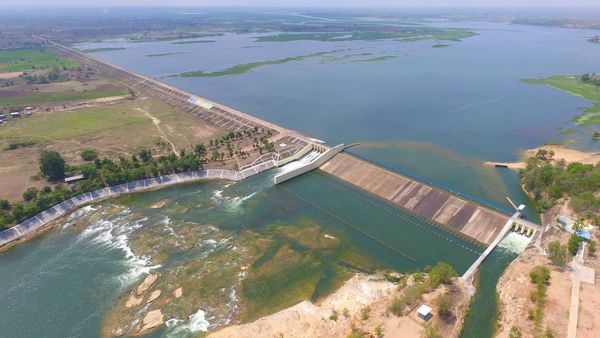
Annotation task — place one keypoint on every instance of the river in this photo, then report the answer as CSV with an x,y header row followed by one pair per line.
x,y
438,112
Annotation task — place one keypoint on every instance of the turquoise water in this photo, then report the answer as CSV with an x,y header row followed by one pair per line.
x,y
437,112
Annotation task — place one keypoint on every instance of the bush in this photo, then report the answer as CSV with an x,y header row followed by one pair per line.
x,y
540,274
334,315
88,154
397,306
4,205
515,332
573,245
557,253
592,247
444,304
378,331
441,273
30,194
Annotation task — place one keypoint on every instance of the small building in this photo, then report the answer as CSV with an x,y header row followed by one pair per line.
x,y
15,115
2,117
28,110
424,312
75,178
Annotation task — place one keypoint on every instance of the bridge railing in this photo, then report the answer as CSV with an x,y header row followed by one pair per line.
x,y
431,183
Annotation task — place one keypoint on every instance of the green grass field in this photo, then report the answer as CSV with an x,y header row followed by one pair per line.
x,y
29,59
246,67
70,125
38,98
574,86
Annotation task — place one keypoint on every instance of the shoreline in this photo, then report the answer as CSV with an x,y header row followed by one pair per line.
x,y
46,219
560,153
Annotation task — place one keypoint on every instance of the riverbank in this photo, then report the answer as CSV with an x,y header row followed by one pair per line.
x,y
361,305
560,153
44,220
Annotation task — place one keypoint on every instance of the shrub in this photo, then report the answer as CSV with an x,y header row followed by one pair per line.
x,y
334,315
441,273
30,194
592,247
515,332
540,274
557,253
397,306
573,245
4,205
378,330
88,154
444,304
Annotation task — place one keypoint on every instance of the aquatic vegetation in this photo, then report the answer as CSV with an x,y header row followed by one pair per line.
x,y
440,45
244,68
164,54
413,34
332,59
376,59
105,49
575,86
187,42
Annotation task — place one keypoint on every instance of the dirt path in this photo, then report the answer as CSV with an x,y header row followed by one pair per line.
x,y
156,122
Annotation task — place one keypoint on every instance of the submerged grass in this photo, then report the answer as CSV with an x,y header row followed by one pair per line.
x,y
376,59
573,85
414,34
246,67
105,49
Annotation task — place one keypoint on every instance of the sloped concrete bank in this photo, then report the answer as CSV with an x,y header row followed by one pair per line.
x,y
42,221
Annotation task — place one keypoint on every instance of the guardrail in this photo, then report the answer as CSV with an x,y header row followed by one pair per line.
x,y
431,183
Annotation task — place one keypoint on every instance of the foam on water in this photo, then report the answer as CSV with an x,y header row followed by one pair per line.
x,y
514,242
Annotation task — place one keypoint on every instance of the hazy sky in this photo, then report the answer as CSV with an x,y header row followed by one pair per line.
x,y
302,3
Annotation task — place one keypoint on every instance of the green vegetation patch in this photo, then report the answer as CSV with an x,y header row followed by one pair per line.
x,y
244,68
105,49
37,98
29,59
68,125
440,45
163,54
414,34
575,86
191,42
549,181
332,59
376,59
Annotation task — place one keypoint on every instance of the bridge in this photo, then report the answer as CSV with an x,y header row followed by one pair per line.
x,y
462,214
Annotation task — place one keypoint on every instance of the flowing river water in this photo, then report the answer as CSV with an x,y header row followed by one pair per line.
x,y
437,112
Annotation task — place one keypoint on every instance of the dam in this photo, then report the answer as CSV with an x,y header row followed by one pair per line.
x,y
468,218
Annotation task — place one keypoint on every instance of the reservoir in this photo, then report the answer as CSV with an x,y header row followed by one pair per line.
x,y
436,112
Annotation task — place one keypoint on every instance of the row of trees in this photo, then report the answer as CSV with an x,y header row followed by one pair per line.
x,y
98,173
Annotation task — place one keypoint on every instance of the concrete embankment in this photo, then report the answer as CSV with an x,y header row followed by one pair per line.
x,y
314,164
38,223
440,206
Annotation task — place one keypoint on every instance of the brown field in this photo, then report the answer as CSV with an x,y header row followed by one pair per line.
x,y
112,130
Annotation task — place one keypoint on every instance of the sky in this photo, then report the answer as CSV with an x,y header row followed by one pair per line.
x,y
303,3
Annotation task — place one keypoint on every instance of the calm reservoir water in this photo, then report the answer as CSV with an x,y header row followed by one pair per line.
x,y
437,112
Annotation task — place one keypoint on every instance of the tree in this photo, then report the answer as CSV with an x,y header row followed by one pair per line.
x,y
441,273
88,154
4,205
540,275
145,155
557,253
444,304
592,247
573,245
52,165
30,194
